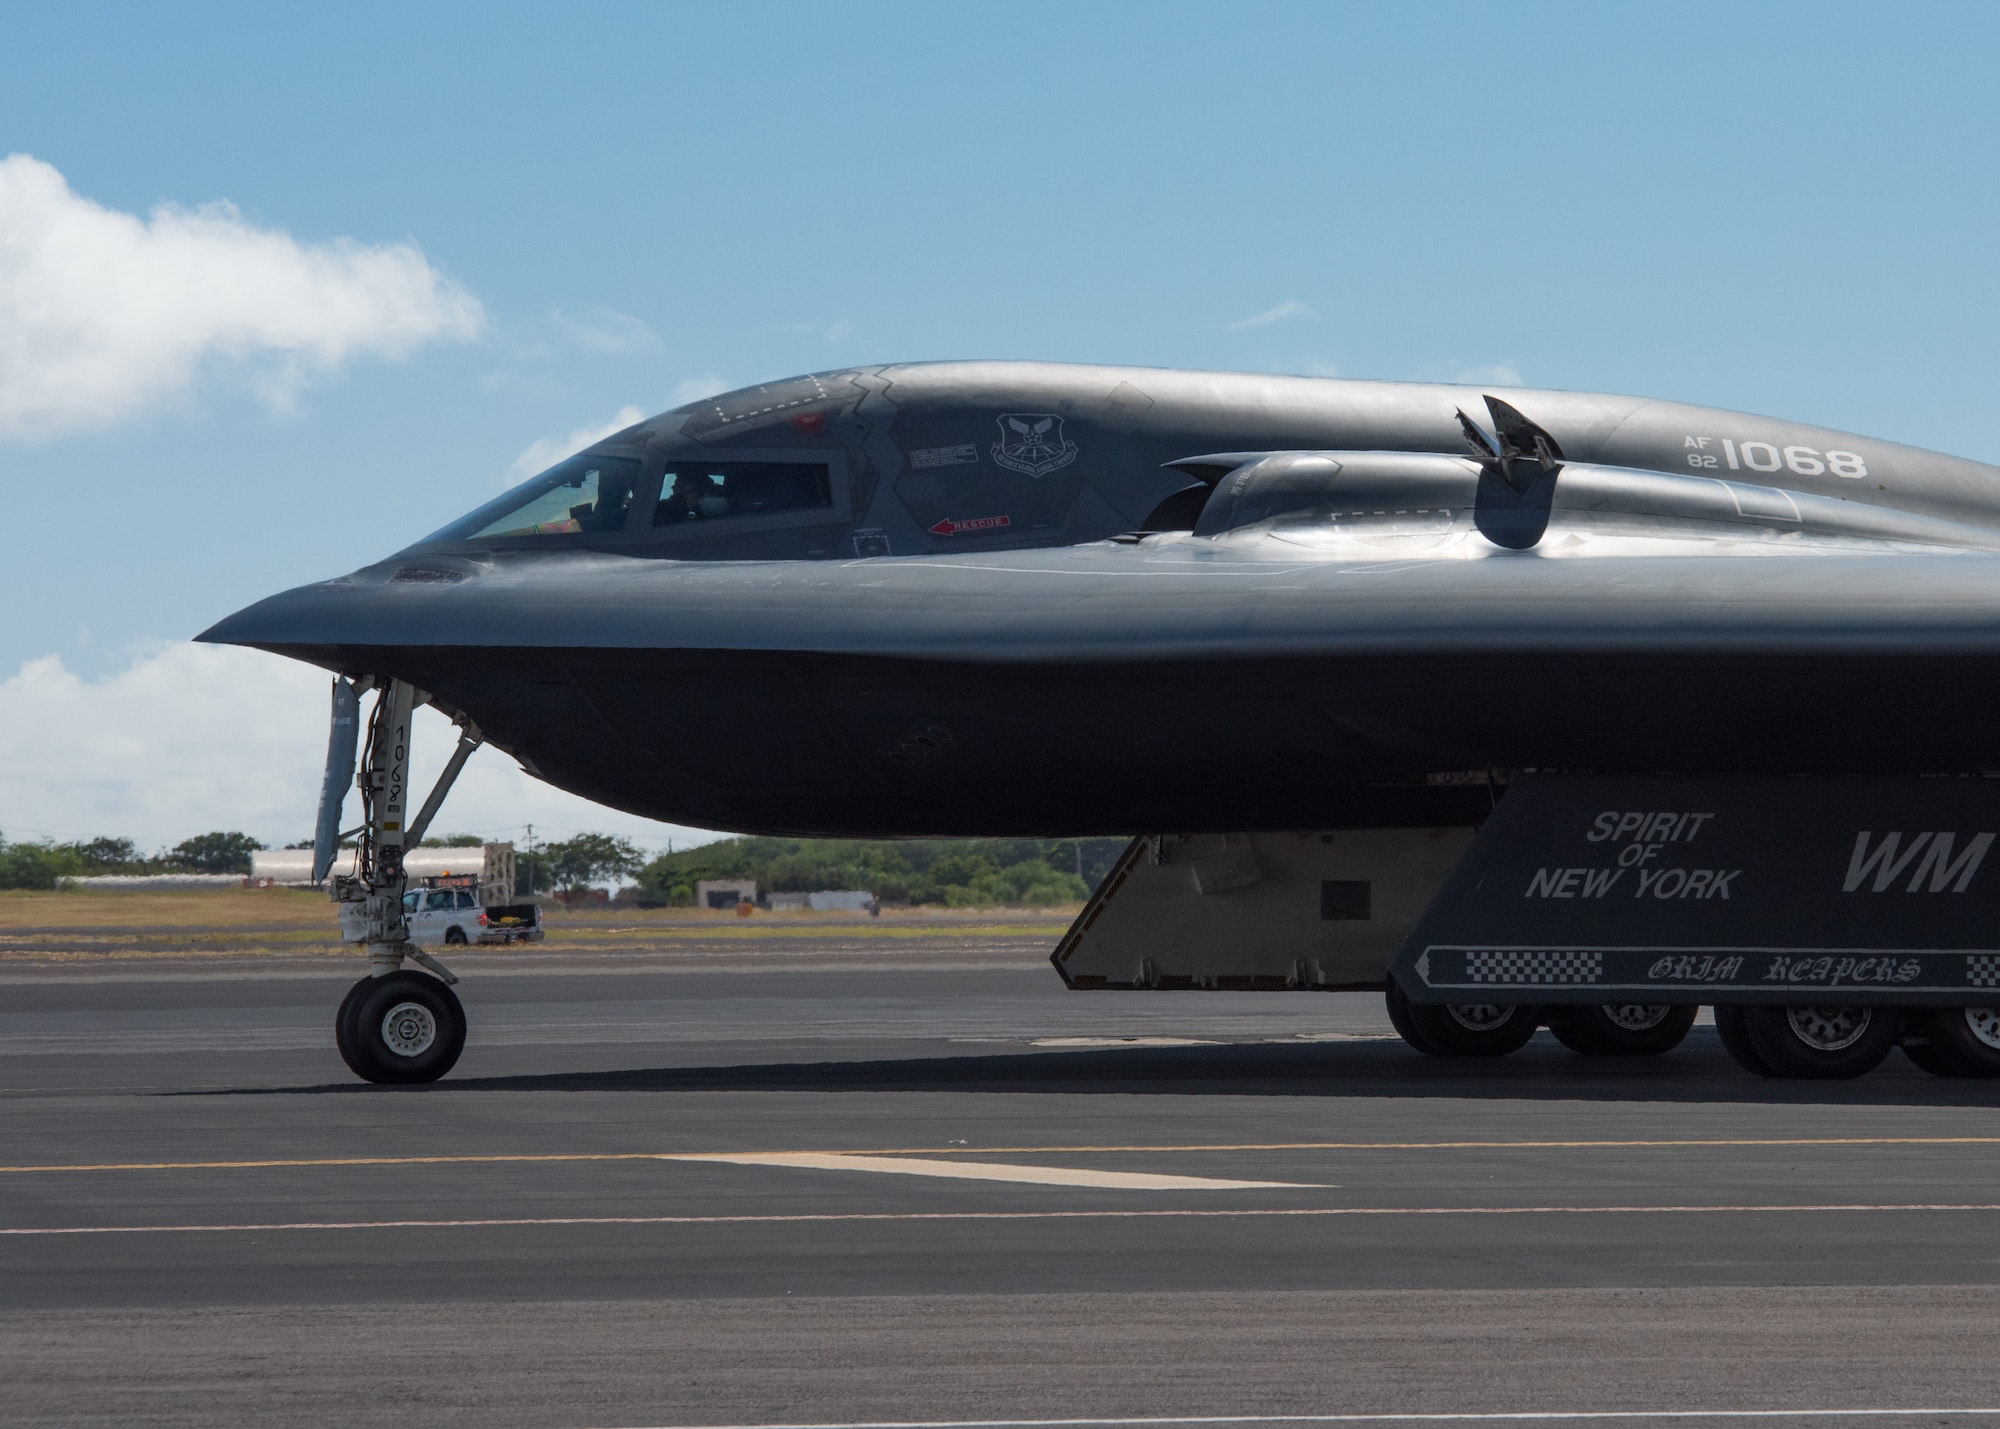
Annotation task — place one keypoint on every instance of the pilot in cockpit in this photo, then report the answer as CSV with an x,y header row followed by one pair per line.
x,y
695,494
609,510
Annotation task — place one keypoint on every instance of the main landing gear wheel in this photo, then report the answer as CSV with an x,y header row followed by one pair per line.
x,y
1820,1042
1957,1041
1732,1026
405,1027
1399,1018
1631,1029
1471,1029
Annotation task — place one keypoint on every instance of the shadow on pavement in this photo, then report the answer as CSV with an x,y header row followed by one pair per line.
x,y
1698,1072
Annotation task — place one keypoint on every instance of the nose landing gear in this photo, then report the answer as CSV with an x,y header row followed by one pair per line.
x,y
401,1027
395,1026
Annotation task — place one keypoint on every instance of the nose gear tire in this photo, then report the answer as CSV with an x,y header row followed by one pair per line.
x,y
1822,1042
1474,1029
343,1022
1959,1041
1622,1030
402,1028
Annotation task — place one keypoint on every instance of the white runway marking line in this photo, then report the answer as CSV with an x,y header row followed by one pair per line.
x,y
1527,1416
1127,1214
555,1158
992,1171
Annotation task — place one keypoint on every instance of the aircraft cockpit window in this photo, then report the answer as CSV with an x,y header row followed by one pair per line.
x,y
716,490
585,493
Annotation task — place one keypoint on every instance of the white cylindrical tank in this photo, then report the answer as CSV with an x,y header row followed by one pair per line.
x,y
288,866
492,864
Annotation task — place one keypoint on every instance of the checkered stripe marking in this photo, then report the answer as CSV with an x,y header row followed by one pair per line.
x,y
1535,967
1982,969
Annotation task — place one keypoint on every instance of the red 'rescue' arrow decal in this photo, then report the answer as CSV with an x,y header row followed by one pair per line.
x,y
949,527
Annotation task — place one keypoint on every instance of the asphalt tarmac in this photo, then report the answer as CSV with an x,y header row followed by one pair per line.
x,y
922,1182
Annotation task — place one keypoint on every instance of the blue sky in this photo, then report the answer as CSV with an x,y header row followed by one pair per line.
x,y
1778,208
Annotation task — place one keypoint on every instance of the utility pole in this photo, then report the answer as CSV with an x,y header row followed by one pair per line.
x,y
531,860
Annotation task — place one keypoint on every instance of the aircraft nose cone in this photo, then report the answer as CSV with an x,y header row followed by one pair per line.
x,y
372,607
297,616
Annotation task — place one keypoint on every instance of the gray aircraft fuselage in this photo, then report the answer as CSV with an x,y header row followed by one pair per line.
x,y
910,600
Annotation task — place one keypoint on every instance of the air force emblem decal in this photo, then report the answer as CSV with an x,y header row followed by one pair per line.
x,y
1033,443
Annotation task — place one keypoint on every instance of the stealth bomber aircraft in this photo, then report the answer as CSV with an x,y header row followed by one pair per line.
x,y
1526,708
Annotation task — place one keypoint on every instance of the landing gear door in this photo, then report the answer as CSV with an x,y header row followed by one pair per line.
x,y
1257,911
1602,890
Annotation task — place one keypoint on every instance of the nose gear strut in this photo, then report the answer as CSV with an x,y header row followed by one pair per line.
x,y
376,1041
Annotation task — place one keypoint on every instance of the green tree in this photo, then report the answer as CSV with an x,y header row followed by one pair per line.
x,y
588,858
214,853
454,841
105,855
35,865
954,872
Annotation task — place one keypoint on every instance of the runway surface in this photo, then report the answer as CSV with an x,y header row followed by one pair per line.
x,y
909,1178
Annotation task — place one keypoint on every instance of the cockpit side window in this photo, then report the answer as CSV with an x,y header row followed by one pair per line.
x,y
585,493
718,490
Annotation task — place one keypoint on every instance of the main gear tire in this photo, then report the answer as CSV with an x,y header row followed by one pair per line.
x,y
1399,1018
1475,1029
1963,1041
401,1028
1731,1025
1622,1029
1822,1042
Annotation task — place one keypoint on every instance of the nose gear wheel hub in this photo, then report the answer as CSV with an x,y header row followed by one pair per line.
x,y
408,1029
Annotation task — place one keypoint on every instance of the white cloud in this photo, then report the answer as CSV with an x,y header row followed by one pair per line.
x,y
104,314
832,333
1289,308
544,453
693,389
605,333
190,738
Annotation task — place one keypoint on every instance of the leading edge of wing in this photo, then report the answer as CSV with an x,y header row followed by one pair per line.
x,y
1099,603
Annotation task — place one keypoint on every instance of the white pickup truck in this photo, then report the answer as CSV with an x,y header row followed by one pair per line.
x,y
441,916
